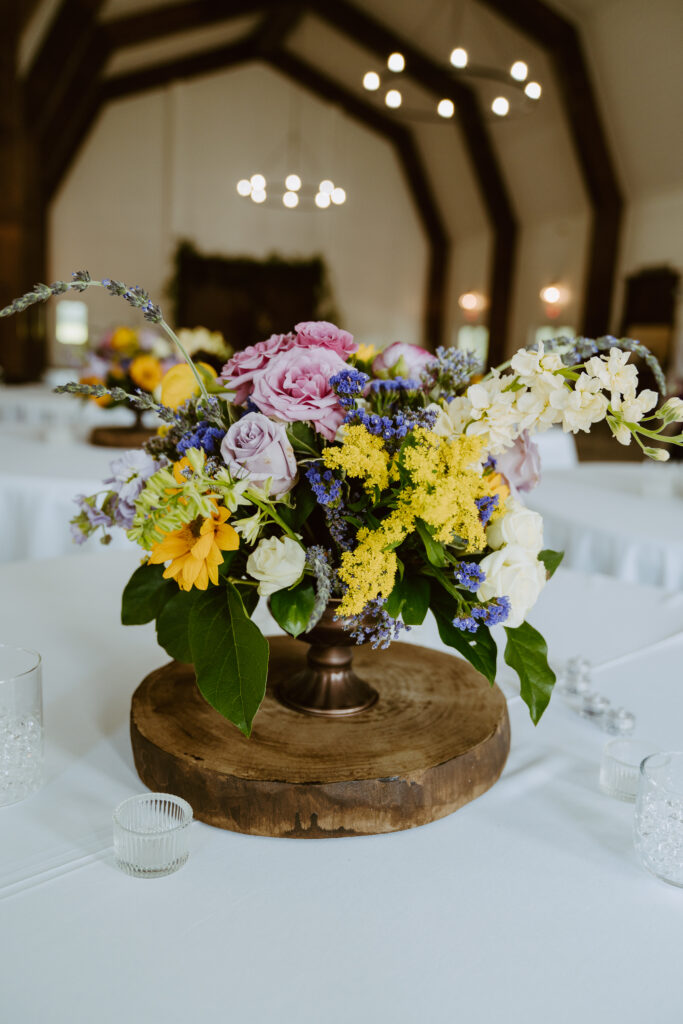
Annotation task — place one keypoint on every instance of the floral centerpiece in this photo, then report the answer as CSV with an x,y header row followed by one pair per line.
x,y
308,470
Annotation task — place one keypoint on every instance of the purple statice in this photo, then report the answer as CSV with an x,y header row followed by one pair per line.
x,y
325,486
396,384
129,472
466,622
492,612
392,427
490,464
487,506
78,534
469,575
348,385
373,625
451,371
95,516
204,436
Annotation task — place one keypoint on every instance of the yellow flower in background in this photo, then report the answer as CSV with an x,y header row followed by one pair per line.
x,y
146,372
194,550
364,353
178,384
124,338
105,400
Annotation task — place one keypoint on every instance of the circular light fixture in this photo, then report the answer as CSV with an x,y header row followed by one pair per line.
x,y
290,200
258,182
533,90
338,196
371,81
322,200
244,187
293,182
445,108
459,57
500,106
396,62
551,294
259,194
469,301
326,187
393,99
519,71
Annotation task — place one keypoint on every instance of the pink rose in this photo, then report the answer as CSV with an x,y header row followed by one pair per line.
x,y
258,448
401,360
321,334
238,373
521,464
295,385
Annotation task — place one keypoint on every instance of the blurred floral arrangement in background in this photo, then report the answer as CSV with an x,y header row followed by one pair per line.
x,y
311,468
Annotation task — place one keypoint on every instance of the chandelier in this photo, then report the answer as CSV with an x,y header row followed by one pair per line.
x,y
293,193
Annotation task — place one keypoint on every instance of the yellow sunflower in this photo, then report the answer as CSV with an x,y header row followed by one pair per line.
x,y
194,550
146,372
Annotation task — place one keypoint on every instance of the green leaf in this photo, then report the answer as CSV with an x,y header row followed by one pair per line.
x,y
292,609
249,595
478,648
304,503
551,560
303,438
230,656
173,624
145,594
527,653
416,604
435,551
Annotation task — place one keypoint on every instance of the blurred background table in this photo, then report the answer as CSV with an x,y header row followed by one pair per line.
x,y
34,410
618,518
481,916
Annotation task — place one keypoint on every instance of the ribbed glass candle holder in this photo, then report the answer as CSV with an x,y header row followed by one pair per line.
x,y
151,834
620,767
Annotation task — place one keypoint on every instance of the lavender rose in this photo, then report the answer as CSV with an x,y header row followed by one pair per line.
x,y
521,464
322,334
295,385
401,360
258,448
239,371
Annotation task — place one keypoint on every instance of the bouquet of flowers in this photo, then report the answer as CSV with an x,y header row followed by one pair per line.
x,y
309,470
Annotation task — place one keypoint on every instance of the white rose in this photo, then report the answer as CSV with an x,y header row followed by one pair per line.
x,y
515,573
277,562
520,525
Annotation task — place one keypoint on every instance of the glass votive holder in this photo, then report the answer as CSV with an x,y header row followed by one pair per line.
x,y
658,821
620,767
152,834
21,724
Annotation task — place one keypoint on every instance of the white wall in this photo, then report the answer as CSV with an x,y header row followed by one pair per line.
x,y
163,166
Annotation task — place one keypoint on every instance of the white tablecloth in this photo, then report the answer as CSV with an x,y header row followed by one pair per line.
x,y
34,410
38,483
526,905
622,519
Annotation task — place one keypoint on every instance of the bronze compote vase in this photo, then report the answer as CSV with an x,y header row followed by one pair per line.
x,y
327,685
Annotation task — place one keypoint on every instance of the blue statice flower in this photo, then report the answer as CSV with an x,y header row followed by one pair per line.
x,y
325,486
392,427
493,612
469,575
348,385
466,622
490,463
396,384
487,506
203,436
373,625
450,371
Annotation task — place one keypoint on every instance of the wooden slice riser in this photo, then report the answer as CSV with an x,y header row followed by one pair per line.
x,y
437,738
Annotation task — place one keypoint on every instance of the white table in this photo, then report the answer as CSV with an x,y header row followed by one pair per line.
x,y
621,519
526,905
34,410
38,483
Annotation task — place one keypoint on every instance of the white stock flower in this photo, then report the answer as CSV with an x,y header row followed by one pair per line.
x,y
658,454
621,433
633,407
443,425
516,573
201,339
581,406
672,411
249,527
277,563
459,412
614,372
528,365
519,525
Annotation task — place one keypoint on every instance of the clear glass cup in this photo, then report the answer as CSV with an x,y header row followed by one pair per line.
x,y
21,724
152,834
658,821
620,767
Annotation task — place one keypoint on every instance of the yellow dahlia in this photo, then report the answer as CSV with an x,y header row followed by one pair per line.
x,y
194,550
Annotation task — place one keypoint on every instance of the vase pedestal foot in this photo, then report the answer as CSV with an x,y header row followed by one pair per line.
x,y
437,737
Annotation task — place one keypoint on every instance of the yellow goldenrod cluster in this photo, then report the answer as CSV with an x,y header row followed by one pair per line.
x,y
361,455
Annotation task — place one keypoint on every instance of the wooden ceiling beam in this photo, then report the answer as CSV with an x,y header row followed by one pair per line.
x,y
170,19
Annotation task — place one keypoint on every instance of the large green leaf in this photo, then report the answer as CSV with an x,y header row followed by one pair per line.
x,y
527,652
551,560
292,609
478,648
145,594
409,599
303,438
435,551
304,503
173,623
230,656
